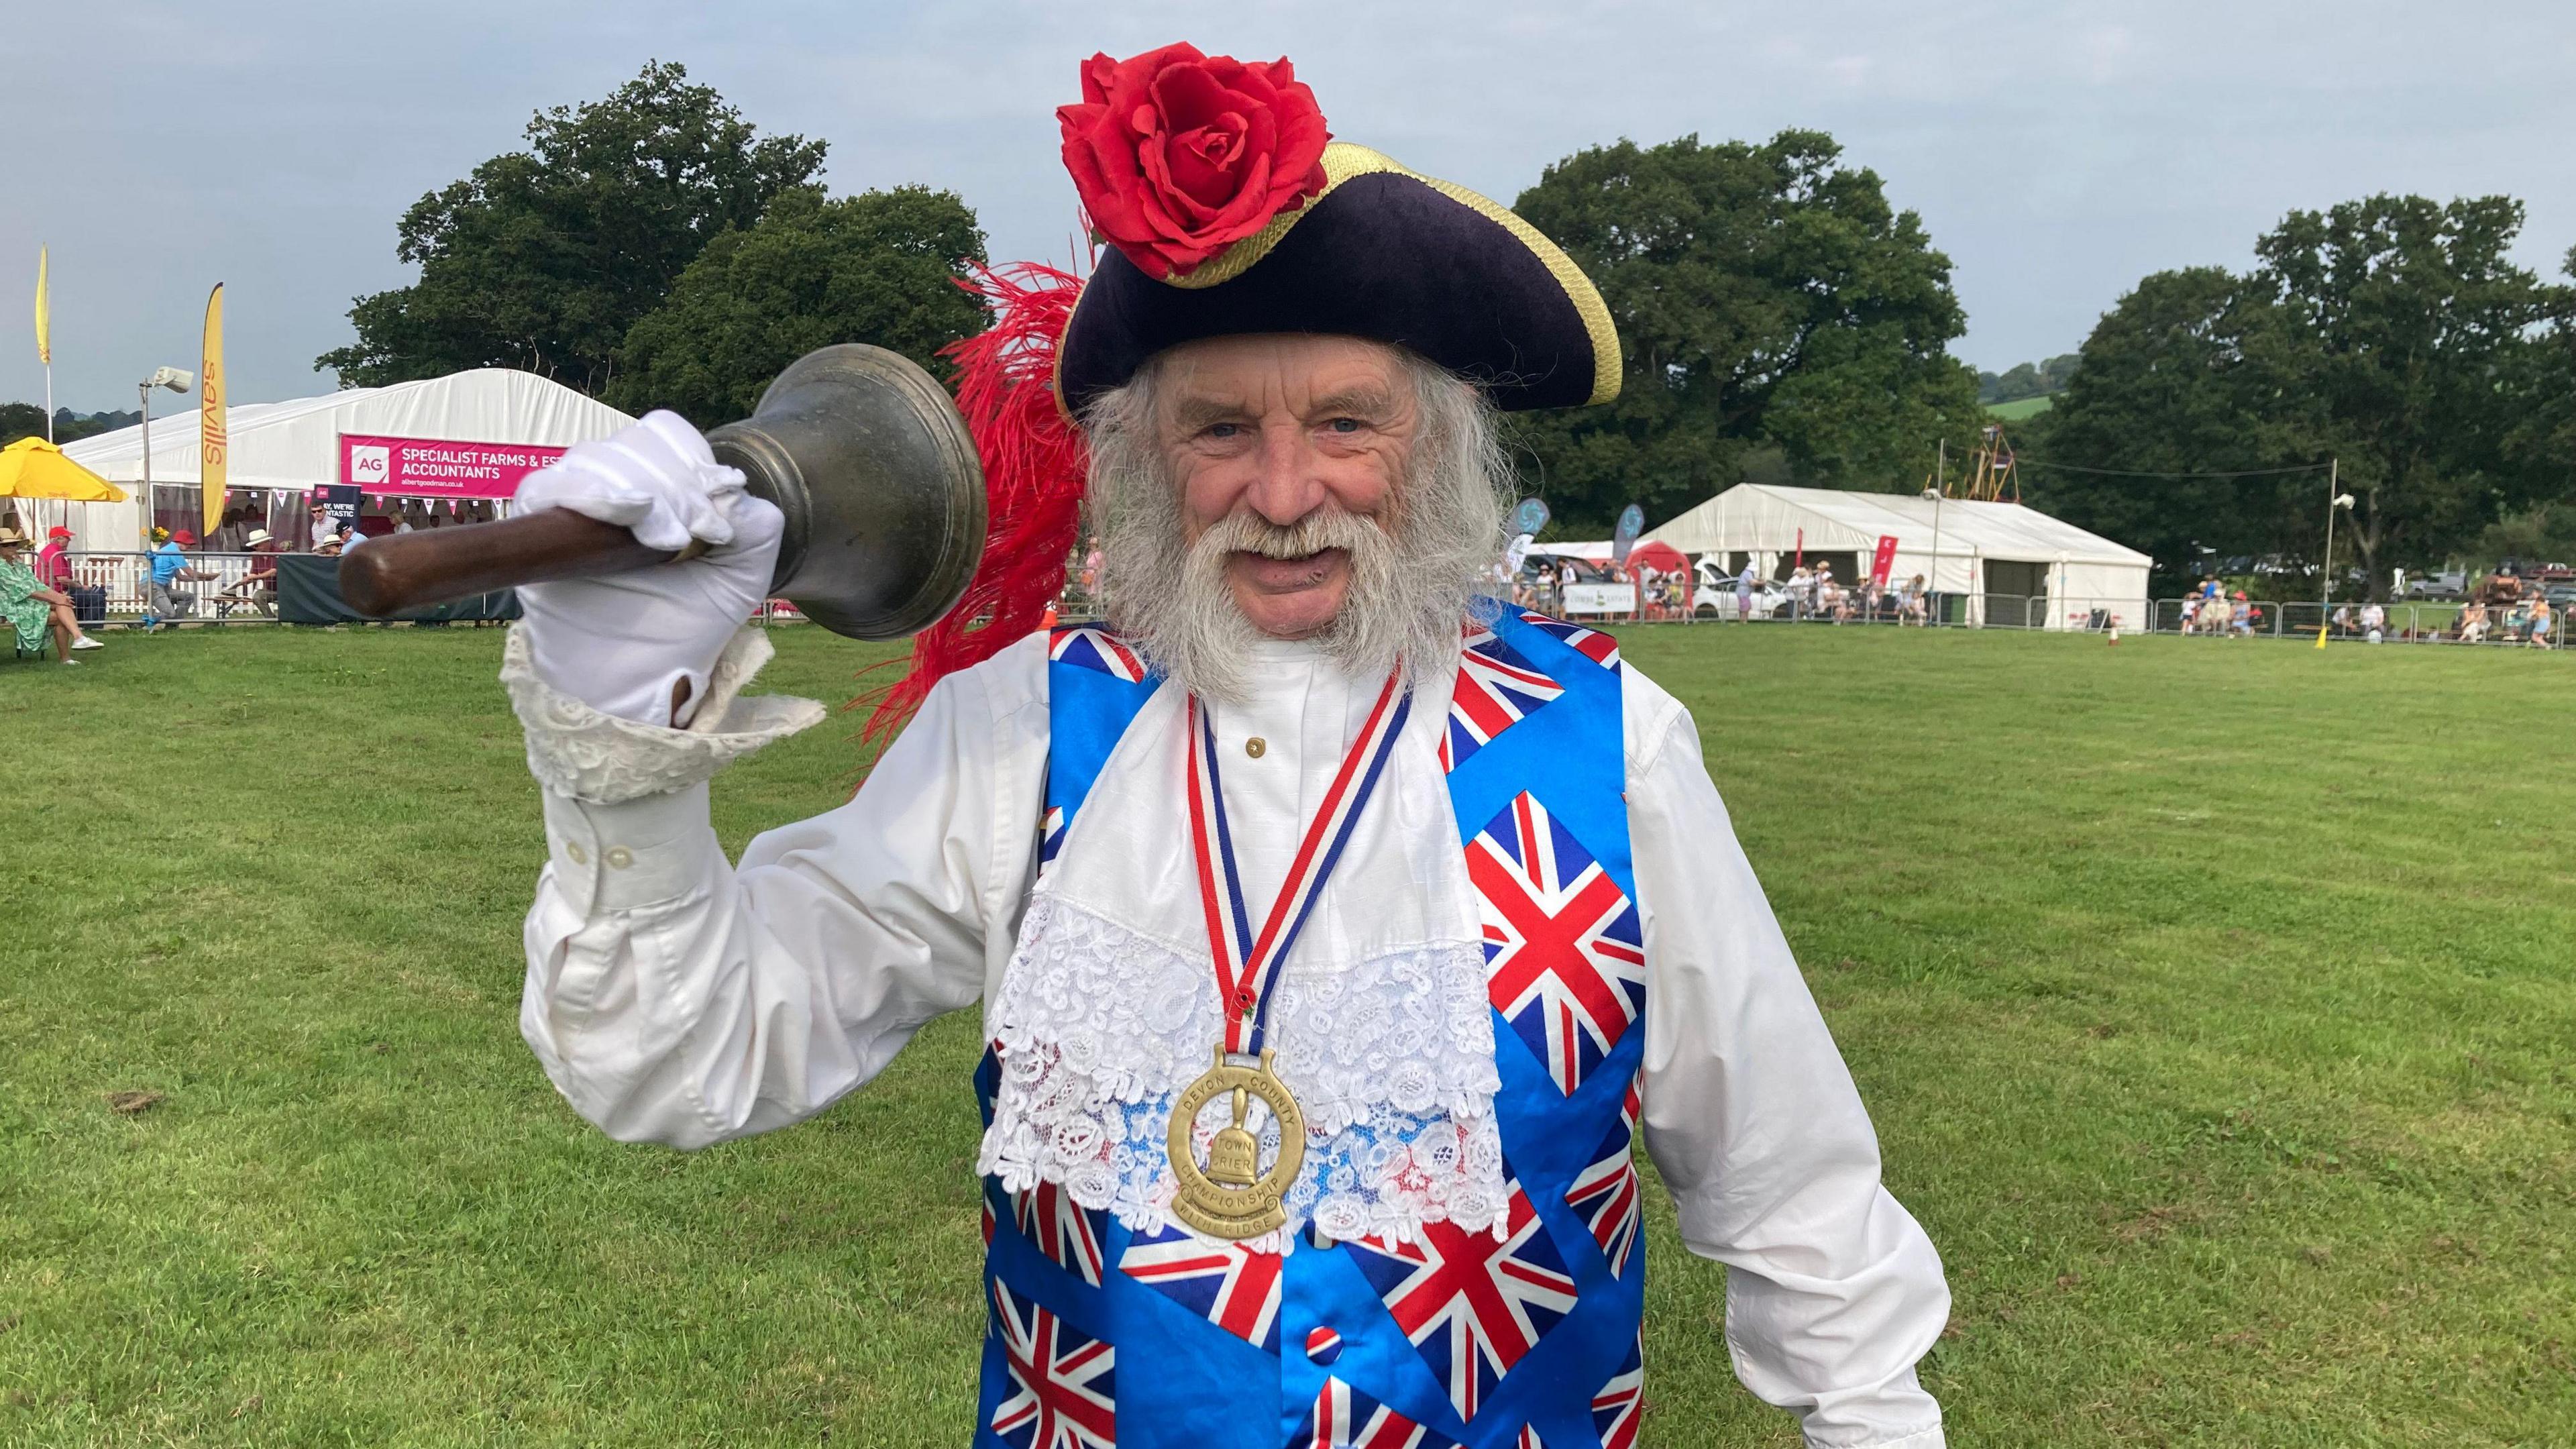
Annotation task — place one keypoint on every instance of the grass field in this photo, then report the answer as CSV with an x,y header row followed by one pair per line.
x,y
2212,999
2021,408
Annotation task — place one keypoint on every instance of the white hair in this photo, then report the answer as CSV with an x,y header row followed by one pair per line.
x,y
1414,582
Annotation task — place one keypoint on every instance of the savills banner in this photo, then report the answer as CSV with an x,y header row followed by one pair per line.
x,y
1883,562
212,442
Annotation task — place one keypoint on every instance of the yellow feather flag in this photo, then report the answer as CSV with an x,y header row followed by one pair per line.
x,y
211,439
44,312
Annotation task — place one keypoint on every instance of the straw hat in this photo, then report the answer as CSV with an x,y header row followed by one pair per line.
x,y
257,537
12,538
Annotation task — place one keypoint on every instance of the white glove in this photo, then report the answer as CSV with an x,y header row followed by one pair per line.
x,y
621,642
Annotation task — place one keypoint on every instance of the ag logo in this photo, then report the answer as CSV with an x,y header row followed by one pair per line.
x,y
371,464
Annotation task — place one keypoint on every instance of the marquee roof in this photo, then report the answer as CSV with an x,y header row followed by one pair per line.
x,y
296,444
1763,518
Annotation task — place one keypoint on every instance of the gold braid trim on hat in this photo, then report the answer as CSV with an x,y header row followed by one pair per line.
x,y
1342,161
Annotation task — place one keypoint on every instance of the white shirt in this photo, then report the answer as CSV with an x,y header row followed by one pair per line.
x,y
673,998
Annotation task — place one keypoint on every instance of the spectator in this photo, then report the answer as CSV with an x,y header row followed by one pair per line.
x,y
258,588
2343,619
2540,623
2473,622
2374,622
1744,589
1915,601
54,560
1802,591
2244,615
170,566
33,609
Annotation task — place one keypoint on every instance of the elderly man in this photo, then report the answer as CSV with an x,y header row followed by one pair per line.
x,y
1337,929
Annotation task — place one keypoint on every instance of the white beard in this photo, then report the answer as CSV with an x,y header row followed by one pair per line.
x,y
1413,581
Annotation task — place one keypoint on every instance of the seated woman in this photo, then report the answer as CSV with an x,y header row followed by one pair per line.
x,y
32,608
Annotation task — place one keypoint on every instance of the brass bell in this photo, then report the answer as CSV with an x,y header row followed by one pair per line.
x,y
1234,1155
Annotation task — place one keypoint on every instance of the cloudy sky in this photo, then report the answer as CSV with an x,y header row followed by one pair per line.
x,y
2057,152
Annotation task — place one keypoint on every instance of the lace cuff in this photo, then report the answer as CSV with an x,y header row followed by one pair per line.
x,y
603,759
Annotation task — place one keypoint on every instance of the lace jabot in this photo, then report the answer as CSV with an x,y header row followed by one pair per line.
x,y
1391,1059
603,759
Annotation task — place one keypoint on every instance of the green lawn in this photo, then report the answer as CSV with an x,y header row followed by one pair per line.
x,y
2213,1001
2021,408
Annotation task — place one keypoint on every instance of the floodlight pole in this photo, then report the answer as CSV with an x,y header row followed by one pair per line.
x,y
1941,490
2325,601
143,390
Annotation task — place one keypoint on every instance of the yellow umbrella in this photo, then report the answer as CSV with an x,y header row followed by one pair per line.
x,y
34,468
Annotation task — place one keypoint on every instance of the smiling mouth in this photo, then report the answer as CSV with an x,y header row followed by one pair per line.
x,y
1288,575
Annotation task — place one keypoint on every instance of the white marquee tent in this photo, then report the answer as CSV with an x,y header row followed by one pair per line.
x,y
1995,554
295,445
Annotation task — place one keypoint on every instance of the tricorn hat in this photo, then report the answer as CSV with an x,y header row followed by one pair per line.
x,y
1227,209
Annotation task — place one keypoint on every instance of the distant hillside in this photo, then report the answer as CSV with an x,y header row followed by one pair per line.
x,y
2020,408
2026,380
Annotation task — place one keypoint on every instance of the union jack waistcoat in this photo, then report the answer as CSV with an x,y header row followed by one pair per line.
x,y
1102,1336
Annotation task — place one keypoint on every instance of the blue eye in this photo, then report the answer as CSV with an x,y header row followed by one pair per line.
x,y
1224,430
1344,425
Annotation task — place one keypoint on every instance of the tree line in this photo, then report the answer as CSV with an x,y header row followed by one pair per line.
x,y
1780,320
654,249
2393,337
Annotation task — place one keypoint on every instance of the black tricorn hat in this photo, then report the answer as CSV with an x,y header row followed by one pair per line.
x,y
1383,253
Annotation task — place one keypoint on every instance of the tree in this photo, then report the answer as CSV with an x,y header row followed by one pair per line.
x,y
1766,297
2390,335
2168,386
543,259
27,420
2405,351
881,267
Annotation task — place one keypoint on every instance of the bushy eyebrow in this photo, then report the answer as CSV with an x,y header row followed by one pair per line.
x,y
1190,413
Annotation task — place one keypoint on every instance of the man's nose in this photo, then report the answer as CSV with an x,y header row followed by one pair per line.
x,y
1286,485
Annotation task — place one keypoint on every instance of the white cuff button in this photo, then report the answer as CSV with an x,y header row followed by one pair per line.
x,y
619,857
579,855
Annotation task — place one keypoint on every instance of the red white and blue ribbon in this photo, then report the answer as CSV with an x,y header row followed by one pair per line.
x,y
1247,965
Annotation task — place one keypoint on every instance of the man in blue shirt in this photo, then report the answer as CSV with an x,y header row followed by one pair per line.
x,y
170,566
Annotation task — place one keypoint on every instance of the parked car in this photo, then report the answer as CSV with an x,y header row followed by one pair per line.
x,y
2448,584
1713,595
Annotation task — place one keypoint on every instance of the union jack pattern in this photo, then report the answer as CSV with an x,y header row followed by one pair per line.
x,y
1063,1391
1227,1284
1605,1194
1471,1303
1496,688
1345,1418
1614,1408
1095,649
1323,1346
1565,960
1060,1228
1592,644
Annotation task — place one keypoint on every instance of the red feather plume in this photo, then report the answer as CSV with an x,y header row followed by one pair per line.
x,y
1035,466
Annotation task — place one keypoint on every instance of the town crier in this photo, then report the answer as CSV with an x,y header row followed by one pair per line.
x,y
1337,929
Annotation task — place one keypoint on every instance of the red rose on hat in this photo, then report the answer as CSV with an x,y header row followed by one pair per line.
x,y
1179,155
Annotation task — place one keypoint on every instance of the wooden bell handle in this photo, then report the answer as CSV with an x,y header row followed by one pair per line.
x,y
410,570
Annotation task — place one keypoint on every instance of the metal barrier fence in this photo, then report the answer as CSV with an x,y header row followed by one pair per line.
x,y
2428,623
224,599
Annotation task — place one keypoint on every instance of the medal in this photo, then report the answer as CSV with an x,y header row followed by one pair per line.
x,y
1230,1196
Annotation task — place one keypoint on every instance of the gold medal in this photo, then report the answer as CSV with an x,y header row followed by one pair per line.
x,y
1231,1197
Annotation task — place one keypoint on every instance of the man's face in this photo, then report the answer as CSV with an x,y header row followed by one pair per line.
x,y
1280,427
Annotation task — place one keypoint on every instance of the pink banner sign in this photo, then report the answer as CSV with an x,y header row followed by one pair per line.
x,y
438,468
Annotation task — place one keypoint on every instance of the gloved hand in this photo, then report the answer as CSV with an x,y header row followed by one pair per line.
x,y
620,643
